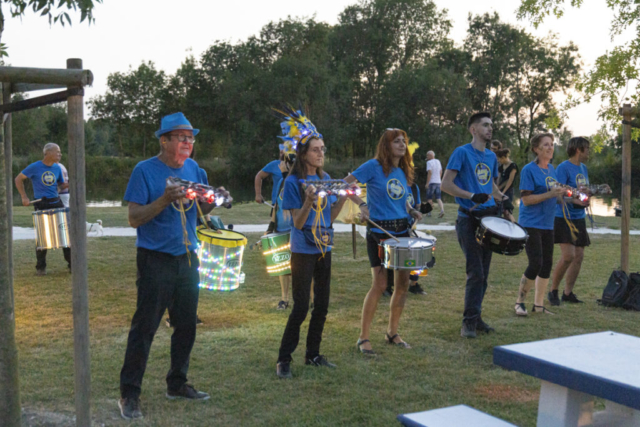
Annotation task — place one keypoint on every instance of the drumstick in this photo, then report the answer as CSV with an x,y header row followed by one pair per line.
x,y
385,231
265,203
34,201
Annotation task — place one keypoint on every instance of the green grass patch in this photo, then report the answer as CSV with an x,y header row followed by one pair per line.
x,y
236,348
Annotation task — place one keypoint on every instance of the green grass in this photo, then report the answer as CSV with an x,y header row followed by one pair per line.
x,y
236,348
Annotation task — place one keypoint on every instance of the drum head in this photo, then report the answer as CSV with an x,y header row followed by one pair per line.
x,y
408,243
504,227
225,238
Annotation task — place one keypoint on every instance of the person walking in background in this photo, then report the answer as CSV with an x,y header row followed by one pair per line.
x,y
434,181
507,172
495,146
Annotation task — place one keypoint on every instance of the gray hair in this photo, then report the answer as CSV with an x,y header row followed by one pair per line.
x,y
432,153
48,147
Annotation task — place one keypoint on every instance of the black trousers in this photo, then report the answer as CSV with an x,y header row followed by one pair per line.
x,y
41,255
539,248
163,281
305,267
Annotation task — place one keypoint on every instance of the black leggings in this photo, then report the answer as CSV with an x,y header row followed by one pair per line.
x,y
539,249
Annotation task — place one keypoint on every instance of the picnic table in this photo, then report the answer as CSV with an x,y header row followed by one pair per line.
x,y
576,369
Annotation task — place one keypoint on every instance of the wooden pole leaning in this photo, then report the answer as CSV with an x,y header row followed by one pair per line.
x,y
68,77
78,235
625,199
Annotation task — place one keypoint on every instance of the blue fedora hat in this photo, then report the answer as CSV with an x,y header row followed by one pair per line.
x,y
175,121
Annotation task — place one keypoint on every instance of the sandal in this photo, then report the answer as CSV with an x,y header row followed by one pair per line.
x,y
364,350
542,309
390,341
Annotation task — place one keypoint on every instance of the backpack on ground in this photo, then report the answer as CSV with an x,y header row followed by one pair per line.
x,y
616,292
633,299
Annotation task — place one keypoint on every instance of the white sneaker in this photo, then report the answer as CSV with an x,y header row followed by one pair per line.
x,y
520,309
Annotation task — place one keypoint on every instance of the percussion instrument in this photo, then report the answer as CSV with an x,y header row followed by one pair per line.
x,y
277,252
220,253
501,235
202,192
51,229
425,272
408,253
336,187
581,195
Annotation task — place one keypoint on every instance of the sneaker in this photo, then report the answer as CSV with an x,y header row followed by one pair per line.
x,y
521,310
468,330
282,305
572,298
441,214
417,289
198,321
187,392
319,360
130,408
283,370
553,298
42,272
386,293
429,214
483,327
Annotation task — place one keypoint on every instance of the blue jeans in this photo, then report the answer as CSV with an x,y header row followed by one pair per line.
x,y
478,261
433,192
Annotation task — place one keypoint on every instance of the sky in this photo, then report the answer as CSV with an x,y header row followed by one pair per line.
x,y
127,32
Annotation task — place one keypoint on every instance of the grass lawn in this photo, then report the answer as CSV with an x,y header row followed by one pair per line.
x,y
236,348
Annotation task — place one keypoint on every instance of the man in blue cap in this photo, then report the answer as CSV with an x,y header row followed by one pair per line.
x,y
167,262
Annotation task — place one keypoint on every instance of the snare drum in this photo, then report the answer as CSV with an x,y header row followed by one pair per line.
x,y
51,229
501,236
408,253
220,254
277,252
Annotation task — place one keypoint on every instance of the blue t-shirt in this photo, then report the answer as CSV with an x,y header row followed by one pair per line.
x,y
569,174
45,179
476,170
386,195
282,224
164,232
415,203
273,169
538,181
292,199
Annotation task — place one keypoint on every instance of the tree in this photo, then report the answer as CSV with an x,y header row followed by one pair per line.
x,y
615,69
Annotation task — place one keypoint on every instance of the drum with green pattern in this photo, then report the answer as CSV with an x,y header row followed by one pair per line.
x,y
277,252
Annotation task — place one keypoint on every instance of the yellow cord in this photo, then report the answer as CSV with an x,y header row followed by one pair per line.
x,y
318,224
572,228
187,243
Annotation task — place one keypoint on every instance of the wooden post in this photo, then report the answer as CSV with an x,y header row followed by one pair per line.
x,y
7,89
625,200
78,235
10,413
68,77
353,239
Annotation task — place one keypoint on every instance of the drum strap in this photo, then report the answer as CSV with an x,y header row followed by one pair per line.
x,y
394,225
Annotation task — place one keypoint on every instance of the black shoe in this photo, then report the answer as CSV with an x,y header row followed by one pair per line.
x,y
130,408
41,272
468,330
198,321
572,298
417,289
319,360
168,323
282,305
553,298
483,327
283,370
387,292
187,392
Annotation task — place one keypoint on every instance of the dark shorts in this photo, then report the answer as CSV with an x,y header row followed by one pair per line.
x,y
373,248
433,192
562,233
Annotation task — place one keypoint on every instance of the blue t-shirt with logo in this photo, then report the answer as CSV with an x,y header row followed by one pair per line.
x,y
569,174
292,199
538,181
476,170
45,179
282,224
386,195
273,169
164,232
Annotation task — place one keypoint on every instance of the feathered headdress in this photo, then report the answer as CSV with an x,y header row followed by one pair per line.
x,y
412,149
296,127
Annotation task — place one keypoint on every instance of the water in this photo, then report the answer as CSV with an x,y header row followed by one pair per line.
x,y
600,206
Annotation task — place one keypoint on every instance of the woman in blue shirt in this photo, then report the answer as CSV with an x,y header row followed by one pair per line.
x,y
388,176
538,198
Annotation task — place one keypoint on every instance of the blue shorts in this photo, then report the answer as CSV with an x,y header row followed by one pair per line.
x,y
433,192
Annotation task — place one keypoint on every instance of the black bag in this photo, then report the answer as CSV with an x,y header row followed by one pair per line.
x,y
633,300
616,291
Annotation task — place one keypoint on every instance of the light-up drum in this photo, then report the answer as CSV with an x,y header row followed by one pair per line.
x,y
220,253
277,252
51,228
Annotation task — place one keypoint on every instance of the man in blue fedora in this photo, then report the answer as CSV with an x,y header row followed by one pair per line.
x,y
167,262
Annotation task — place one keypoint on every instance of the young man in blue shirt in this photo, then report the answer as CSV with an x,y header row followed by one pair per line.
x,y
46,177
469,178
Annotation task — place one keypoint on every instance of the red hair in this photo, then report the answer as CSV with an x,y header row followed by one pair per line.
x,y
385,157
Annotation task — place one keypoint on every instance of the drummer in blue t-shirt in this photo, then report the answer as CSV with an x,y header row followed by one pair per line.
x,y
470,179
538,198
274,169
387,176
46,177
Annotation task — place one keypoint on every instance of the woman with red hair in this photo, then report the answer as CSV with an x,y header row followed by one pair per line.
x,y
388,177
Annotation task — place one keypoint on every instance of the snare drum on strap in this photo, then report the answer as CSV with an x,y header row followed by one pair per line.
x,y
501,236
51,228
220,254
408,253
277,252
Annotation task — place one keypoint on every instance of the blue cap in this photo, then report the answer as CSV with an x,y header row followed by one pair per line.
x,y
176,121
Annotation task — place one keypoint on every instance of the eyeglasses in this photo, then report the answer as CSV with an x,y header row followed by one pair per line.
x,y
319,150
184,138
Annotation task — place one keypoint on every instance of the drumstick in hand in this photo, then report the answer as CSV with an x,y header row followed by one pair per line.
x,y
34,201
385,231
265,203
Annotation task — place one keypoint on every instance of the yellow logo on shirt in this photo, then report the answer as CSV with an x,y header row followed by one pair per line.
x,y
483,173
581,180
410,198
48,178
395,189
550,181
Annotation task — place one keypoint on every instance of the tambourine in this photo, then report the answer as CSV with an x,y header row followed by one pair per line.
x,y
201,192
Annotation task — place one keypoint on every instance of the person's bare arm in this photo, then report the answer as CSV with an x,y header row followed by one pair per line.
x,y
529,199
63,186
20,186
257,182
449,187
429,172
141,214
300,215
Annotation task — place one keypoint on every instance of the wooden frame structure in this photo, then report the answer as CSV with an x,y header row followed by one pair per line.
x,y
72,79
627,114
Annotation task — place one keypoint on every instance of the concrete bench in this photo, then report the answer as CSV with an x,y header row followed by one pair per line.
x,y
453,416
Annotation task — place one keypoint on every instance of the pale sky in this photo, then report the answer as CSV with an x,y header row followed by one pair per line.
x,y
126,32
